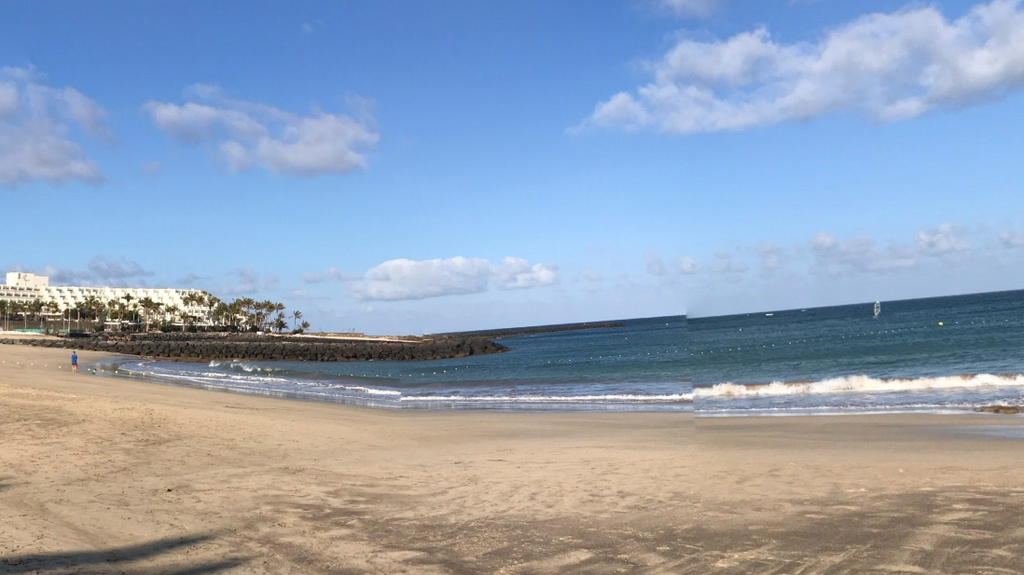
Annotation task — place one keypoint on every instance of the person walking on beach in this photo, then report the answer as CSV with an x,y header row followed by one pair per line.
x,y
74,361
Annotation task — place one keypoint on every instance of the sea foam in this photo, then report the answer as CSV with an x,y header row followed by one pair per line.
x,y
856,384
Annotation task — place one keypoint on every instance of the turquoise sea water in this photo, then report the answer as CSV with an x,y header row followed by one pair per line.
x,y
946,354
631,368
938,355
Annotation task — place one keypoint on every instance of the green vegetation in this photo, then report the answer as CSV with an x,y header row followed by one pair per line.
x,y
202,312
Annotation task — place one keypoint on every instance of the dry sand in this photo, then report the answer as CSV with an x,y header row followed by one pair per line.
x,y
863,494
102,475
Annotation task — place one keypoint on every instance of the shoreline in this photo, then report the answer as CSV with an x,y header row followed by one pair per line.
x,y
394,400
1000,410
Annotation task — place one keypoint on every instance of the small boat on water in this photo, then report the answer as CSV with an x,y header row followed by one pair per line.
x,y
878,309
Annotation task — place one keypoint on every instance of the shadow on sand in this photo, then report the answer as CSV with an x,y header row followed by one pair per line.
x,y
114,560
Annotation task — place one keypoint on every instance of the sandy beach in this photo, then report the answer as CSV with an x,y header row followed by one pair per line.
x,y
106,475
929,494
114,475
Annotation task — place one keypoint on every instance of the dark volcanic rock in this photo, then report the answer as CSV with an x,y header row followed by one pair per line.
x,y
257,347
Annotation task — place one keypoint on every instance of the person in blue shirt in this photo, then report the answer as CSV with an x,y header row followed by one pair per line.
x,y
74,361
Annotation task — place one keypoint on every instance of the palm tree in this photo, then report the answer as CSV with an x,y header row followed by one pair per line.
x,y
192,300
172,310
212,302
128,301
89,303
249,306
122,309
51,308
112,305
296,316
80,310
279,323
20,308
264,311
35,307
149,306
237,311
99,311
222,313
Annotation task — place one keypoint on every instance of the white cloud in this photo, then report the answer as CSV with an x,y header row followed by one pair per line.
x,y
332,273
832,256
688,265
35,130
516,273
251,134
9,100
943,239
890,66
193,123
404,279
823,241
84,111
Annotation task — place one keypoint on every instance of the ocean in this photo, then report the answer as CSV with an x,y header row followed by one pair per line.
x,y
638,367
936,355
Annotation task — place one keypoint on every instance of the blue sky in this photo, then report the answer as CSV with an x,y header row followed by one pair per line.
x,y
416,167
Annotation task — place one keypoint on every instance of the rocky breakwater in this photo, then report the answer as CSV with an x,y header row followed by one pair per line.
x,y
267,347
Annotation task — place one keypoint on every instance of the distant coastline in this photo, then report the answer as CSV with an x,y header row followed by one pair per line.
x,y
506,332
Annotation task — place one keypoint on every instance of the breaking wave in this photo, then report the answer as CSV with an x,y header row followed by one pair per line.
x,y
856,384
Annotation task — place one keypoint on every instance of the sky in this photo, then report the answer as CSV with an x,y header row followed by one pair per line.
x,y
402,167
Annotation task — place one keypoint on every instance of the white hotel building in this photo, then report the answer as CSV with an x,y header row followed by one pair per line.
x,y
25,288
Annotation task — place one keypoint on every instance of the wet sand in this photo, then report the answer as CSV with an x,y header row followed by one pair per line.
x,y
103,475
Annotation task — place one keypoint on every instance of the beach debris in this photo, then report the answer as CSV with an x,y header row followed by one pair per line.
x,y
1001,409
